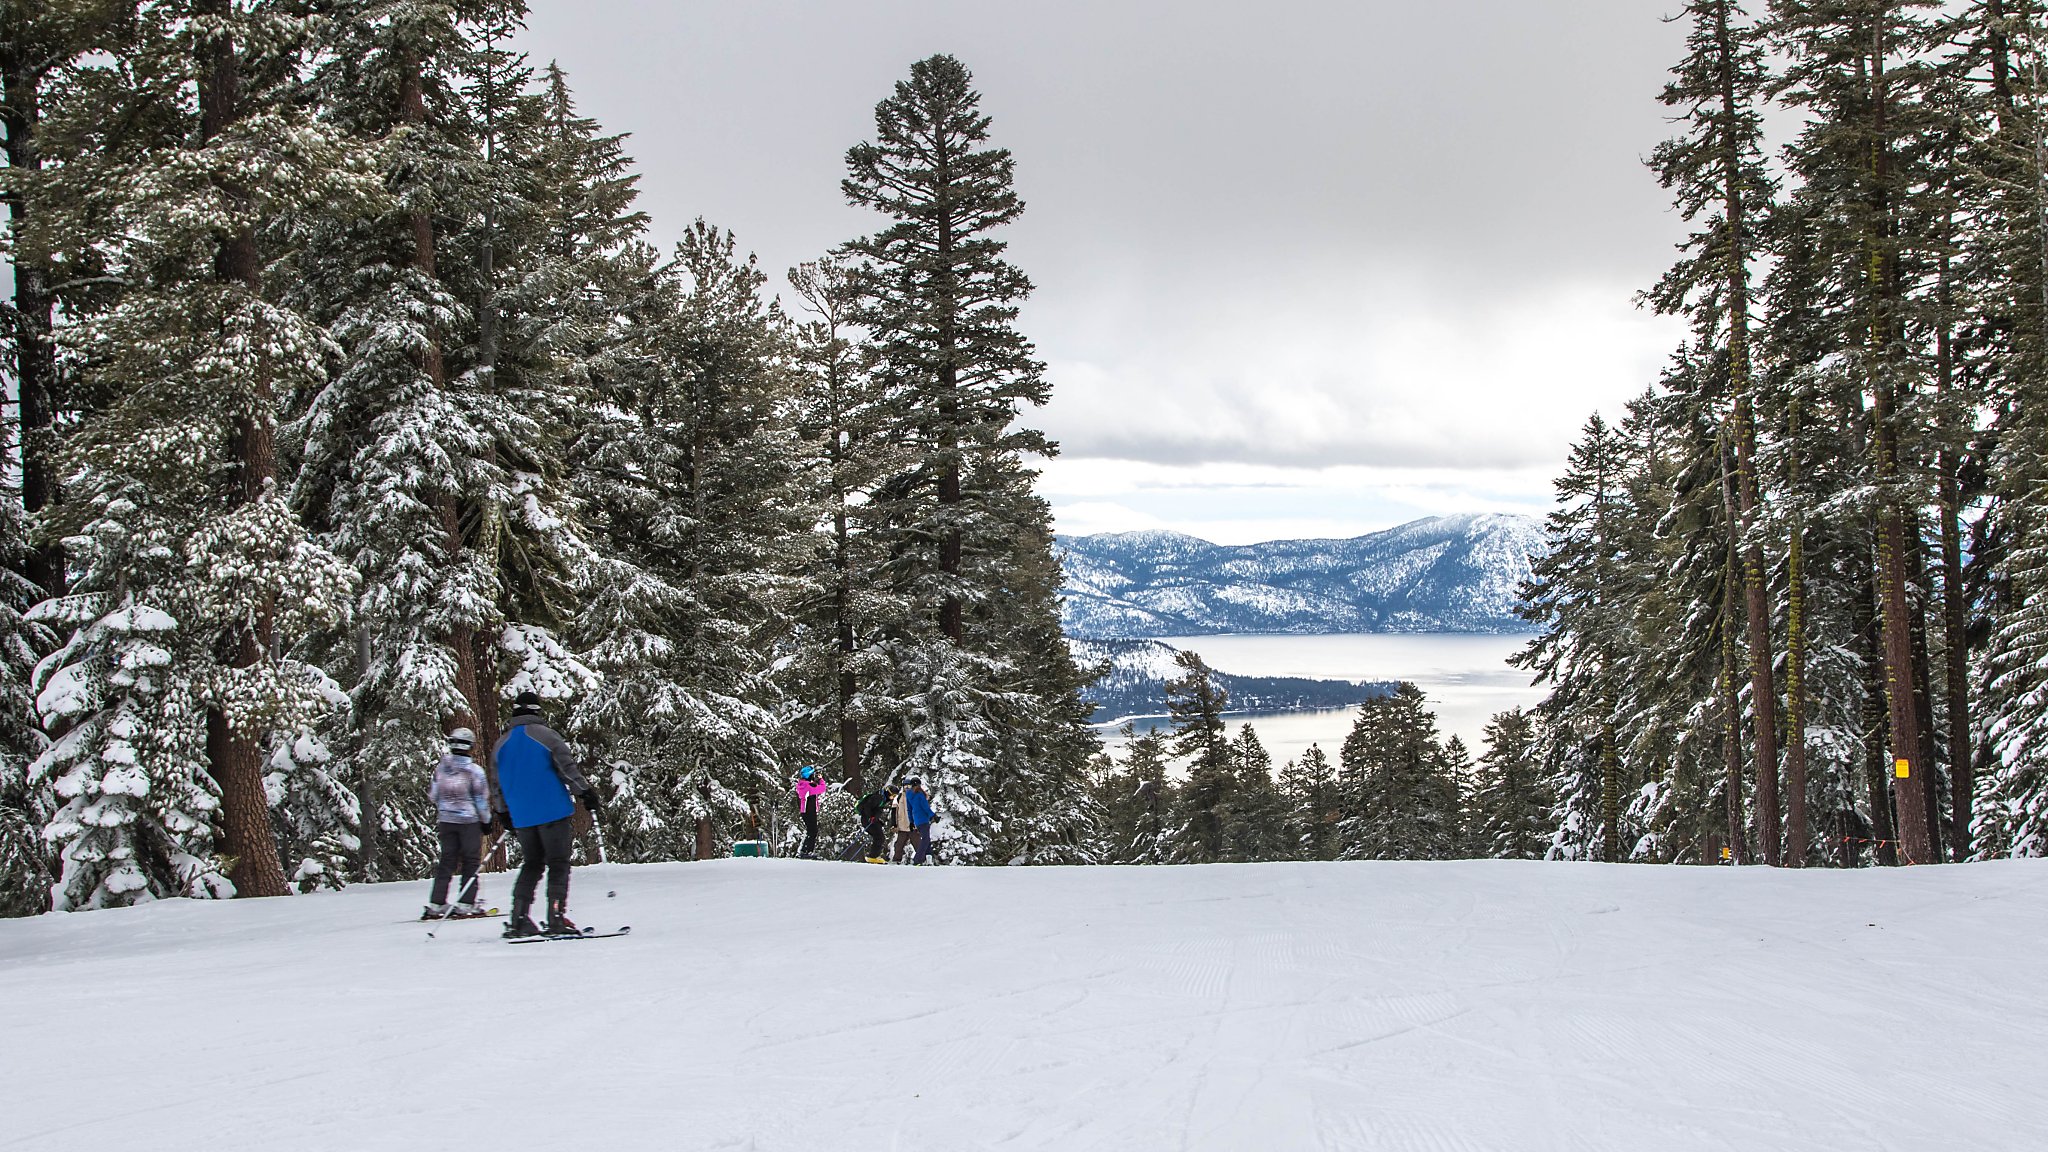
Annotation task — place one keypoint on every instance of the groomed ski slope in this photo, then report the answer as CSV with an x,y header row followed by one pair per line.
x,y
768,1004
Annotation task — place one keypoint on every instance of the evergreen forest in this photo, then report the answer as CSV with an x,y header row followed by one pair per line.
x,y
349,397
352,399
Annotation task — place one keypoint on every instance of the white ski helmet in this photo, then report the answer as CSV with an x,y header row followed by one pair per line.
x,y
461,740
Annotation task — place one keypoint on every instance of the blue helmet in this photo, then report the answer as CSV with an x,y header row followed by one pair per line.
x,y
809,772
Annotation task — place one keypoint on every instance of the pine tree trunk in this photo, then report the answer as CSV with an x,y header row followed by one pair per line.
x,y
1895,544
369,799
1955,643
1610,794
1731,699
461,639
35,352
1877,732
1923,699
842,612
1798,840
1763,689
1731,737
950,616
235,755
950,621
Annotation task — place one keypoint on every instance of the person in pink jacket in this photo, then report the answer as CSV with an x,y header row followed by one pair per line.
x,y
810,792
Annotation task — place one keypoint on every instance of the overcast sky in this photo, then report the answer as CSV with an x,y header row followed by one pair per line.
x,y
1303,267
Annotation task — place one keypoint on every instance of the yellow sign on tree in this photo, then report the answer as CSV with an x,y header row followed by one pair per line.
x,y
1902,768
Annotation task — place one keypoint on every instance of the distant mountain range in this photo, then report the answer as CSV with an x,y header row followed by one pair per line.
x,y
1135,684
1445,574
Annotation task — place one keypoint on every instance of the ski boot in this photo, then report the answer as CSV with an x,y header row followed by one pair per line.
x,y
434,912
521,925
468,912
559,923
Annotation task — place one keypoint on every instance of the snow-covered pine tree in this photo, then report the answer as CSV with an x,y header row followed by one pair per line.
x,y
1399,800
2006,281
1511,819
1256,823
1310,785
1043,742
1858,69
399,442
1197,701
38,44
968,543
1135,798
1715,169
193,574
1574,595
847,609
538,249
27,865
701,515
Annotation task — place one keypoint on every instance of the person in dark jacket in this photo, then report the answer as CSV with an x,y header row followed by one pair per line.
x,y
537,776
874,819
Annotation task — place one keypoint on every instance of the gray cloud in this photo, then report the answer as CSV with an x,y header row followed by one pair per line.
x,y
1225,198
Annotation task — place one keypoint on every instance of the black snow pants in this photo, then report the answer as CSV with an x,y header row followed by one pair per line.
x,y
810,831
876,830
462,846
543,847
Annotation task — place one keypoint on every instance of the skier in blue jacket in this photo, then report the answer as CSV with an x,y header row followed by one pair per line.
x,y
917,812
537,776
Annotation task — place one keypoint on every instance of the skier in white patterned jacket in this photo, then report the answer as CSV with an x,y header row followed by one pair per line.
x,y
462,805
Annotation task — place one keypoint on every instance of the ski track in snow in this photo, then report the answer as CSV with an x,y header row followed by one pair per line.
x,y
763,1005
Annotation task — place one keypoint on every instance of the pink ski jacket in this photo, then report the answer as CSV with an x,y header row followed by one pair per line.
x,y
807,793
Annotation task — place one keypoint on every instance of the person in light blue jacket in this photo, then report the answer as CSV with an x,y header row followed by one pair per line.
x,y
461,808
537,778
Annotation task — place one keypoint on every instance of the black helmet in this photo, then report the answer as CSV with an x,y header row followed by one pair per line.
x,y
527,703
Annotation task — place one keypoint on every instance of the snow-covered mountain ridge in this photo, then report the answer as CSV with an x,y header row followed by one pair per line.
x,y
1443,574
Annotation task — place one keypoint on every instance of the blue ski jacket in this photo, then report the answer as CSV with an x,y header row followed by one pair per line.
x,y
537,774
920,809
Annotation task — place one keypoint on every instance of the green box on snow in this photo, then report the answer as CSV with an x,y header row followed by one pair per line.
x,y
750,847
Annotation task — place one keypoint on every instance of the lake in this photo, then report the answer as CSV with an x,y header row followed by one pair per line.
x,y
1466,677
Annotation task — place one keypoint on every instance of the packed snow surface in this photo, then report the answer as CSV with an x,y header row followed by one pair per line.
x,y
772,1004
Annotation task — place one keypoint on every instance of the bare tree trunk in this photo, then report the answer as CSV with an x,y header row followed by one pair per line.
x,y
234,754
1763,689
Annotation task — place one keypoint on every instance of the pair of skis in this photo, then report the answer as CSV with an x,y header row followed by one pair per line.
x,y
584,934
